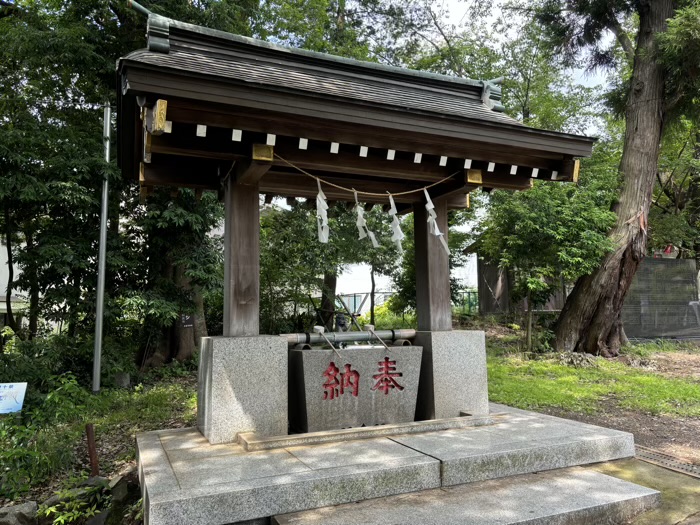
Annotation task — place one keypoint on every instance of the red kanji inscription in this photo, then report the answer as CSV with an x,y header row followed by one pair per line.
x,y
351,379
332,384
337,383
385,379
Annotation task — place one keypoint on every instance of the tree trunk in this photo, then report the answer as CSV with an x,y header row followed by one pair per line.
x,y
33,287
330,281
590,321
184,326
162,345
73,309
528,336
371,296
200,321
11,271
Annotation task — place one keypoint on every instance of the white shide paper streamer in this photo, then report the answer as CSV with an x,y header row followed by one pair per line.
x,y
361,224
396,234
432,223
322,215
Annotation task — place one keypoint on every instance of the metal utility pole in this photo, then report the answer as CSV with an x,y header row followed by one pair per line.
x,y
97,363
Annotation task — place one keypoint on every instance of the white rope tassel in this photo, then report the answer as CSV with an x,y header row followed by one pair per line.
x,y
396,234
432,223
361,224
322,215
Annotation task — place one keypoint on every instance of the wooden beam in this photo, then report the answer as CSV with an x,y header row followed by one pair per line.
x,y
475,177
577,168
249,172
404,209
290,183
451,193
168,170
433,303
347,161
241,260
183,172
458,202
317,156
257,120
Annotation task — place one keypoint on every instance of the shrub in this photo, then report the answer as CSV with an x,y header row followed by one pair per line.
x,y
385,319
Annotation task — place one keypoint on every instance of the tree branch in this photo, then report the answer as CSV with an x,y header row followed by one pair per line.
x,y
7,9
453,57
622,38
662,207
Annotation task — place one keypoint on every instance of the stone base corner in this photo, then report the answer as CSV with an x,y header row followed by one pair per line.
x,y
243,384
453,374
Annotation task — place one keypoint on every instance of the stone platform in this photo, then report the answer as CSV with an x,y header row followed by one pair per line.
x,y
185,479
573,496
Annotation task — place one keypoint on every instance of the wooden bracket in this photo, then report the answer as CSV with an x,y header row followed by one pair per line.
x,y
474,177
577,168
156,117
263,152
569,170
250,171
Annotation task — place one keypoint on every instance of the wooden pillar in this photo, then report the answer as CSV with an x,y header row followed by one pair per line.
x,y
241,260
433,304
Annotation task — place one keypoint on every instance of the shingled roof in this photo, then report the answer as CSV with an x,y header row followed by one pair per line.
x,y
228,82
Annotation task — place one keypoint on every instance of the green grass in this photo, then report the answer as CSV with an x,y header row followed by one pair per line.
x,y
119,415
145,408
647,348
548,383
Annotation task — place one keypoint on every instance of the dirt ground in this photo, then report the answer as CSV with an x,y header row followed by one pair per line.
x,y
676,436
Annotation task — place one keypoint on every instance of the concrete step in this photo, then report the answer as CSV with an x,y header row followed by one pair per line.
x,y
573,496
185,479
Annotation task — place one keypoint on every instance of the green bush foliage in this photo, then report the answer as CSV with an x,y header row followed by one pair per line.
x,y
77,504
386,319
40,442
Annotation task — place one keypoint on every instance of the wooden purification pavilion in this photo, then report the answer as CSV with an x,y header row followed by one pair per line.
x,y
209,110
212,111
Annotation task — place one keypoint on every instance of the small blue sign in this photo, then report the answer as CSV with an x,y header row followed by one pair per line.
x,y
12,397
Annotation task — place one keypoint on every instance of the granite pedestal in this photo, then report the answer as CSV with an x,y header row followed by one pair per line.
x,y
353,387
185,479
242,387
453,374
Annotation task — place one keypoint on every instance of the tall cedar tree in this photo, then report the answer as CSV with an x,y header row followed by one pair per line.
x,y
590,321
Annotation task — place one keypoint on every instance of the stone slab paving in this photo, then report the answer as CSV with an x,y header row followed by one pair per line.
x,y
680,493
187,480
562,497
525,442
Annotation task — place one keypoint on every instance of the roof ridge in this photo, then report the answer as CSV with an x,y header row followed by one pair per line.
x,y
159,34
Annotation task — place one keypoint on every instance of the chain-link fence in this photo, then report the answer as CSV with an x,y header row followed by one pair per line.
x,y
663,300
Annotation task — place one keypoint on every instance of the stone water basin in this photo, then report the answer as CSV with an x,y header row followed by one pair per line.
x,y
353,387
